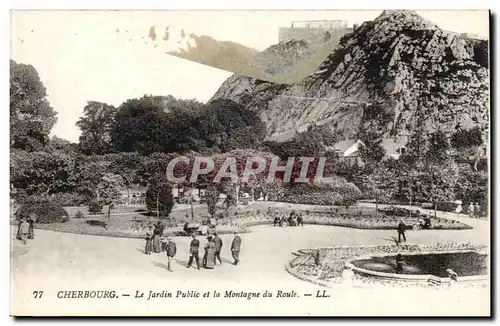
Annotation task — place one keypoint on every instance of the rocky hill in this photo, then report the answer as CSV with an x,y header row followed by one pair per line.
x,y
390,76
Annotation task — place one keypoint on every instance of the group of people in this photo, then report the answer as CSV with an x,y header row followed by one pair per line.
x,y
212,250
294,219
153,242
474,210
25,229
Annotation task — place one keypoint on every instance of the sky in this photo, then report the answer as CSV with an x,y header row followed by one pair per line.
x,y
107,56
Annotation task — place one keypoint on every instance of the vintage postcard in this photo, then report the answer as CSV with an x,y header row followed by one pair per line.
x,y
250,163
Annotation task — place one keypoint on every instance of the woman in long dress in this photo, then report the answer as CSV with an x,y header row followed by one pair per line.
x,y
24,230
209,258
31,230
156,239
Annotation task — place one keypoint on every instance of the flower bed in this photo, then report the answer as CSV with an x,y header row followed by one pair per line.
x,y
127,226
381,223
333,260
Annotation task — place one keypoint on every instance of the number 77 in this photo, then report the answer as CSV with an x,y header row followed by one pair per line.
x,y
37,294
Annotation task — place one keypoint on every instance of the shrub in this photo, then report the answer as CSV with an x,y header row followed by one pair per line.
x,y
97,223
95,206
69,199
43,212
347,194
79,214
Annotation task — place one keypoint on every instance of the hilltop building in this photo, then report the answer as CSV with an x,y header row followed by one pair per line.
x,y
314,31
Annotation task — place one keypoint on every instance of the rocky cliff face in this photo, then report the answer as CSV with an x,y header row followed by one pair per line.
x,y
390,76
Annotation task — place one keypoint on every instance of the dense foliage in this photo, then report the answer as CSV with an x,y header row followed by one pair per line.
x,y
31,116
132,144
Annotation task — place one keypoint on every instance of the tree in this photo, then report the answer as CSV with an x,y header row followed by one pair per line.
x,y
438,183
438,173
140,126
108,190
127,166
159,196
373,152
89,170
60,144
230,190
466,138
31,116
212,197
96,125
381,184
472,186
438,151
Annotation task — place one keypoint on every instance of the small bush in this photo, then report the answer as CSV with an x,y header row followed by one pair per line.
x,y
79,214
95,207
43,212
97,223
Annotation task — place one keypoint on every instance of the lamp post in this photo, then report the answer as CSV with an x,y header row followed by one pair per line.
x,y
158,204
191,201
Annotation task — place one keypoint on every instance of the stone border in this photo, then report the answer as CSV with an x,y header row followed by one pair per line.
x,y
306,278
412,277
387,276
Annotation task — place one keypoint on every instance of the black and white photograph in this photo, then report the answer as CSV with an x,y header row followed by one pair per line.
x,y
250,163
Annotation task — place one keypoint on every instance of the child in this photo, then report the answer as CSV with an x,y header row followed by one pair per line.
x,y
149,244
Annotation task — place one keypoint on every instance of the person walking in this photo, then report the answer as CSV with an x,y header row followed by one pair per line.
x,y
149,244
24,230
194,251
31,229
458,209
209,257
401,231
471,210
477,210
235,248
218,247
171,250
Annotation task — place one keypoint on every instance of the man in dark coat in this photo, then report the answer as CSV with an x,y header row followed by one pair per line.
x,y
218,247
235,248
194,249
300,221
401,231
171,250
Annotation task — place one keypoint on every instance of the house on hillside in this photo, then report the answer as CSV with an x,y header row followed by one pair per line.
x,y
349,150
